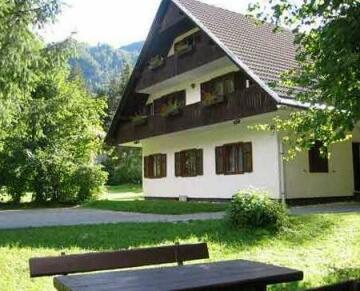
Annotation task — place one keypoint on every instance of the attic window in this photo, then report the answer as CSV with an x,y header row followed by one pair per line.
x,y
186,45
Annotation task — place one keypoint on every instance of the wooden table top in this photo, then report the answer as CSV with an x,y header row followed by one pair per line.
x,y
211,275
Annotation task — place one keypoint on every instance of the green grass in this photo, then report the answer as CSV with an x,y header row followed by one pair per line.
x,y
325,247
129,198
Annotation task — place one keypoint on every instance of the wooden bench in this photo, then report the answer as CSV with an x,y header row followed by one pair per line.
x,y
91,262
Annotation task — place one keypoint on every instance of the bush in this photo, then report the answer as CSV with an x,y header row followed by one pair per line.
x,y
89,181
254,208
124,165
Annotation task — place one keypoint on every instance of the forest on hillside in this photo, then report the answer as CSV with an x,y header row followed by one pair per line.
x,y
102,63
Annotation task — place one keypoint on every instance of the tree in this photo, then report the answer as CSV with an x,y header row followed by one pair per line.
x,y
328,38
20,51
116,90
122,163
51,150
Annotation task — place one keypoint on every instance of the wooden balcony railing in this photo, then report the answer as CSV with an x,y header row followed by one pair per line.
x,y
240,104
203,53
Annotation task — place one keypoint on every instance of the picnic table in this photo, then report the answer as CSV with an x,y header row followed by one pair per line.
x,y
225,275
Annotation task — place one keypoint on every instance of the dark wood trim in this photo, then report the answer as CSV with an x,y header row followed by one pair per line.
x,y
202,53
149,164
243,148
319,200
180,163
241,104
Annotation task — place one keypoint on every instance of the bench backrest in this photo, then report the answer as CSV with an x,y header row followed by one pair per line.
x,y
69,264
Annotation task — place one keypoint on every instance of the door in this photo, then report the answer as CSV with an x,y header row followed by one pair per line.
x,y
356,158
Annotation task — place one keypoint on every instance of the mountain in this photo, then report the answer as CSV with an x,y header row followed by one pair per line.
x,y
134,47
102,63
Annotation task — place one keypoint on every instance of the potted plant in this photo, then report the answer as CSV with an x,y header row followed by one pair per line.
x,y
170,109
139,119
156,62
210,99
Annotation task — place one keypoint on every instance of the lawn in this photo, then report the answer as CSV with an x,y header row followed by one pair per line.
x,y
129,198
325,247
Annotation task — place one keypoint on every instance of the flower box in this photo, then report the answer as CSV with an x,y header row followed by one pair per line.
x,y
156,62
172,109
210,100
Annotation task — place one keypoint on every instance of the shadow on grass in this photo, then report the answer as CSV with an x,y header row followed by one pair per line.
x,y
33,205
342,275
125,188
157,207
123,236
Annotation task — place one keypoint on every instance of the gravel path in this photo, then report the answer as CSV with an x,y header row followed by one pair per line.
x,y
345,207
12,219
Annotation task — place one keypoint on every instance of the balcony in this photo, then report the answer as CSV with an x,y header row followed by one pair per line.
x,y
242,103
204,52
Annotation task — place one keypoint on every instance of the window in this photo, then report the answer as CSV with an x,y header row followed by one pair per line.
x,y
155,166
187,44
318,163
173,98
233,159
189,163
222,86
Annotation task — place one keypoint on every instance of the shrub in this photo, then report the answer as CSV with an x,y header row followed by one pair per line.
x,y
254,208
89,180
123,164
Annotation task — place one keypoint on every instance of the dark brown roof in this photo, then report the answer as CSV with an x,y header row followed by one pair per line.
x,y
265,53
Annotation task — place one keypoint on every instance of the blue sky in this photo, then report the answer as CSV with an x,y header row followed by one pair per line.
x,y
116,22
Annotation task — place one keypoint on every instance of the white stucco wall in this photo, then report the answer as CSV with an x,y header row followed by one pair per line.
x,y
265,163
300,183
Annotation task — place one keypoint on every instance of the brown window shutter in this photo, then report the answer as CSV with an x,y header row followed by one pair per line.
x,y
240,163
146,167
219,159
151,166
199,162
163,166
177,165
248,162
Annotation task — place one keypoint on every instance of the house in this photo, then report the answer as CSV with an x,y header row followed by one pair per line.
x,y
202,79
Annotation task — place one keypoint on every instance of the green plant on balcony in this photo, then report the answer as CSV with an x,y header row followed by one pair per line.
x,y
139,119
171,109
156,62
209,99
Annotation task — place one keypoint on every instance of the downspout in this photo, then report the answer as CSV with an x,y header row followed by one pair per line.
x,y
282,185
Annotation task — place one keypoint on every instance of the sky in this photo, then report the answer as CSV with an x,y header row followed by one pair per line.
x,y
116,22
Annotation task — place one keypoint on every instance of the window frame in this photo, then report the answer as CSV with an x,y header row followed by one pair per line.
x,y
318,163
195,157
242,150
155,166
209,86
